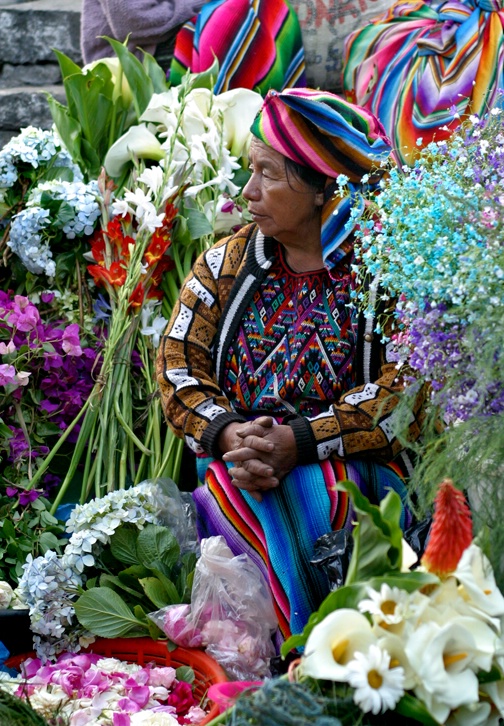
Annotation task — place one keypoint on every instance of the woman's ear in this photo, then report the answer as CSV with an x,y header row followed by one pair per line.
x,y
319,199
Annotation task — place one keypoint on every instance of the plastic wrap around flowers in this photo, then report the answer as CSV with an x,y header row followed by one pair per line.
x,y
91,689
231,613
425,643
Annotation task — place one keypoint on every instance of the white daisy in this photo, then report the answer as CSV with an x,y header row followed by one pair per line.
x,y
387,606
377,686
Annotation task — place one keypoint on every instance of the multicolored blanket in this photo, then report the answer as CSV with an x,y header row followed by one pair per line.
x,y
257,42
279,533
423,67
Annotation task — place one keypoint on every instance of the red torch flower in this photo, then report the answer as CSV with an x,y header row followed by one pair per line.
x,y
451,531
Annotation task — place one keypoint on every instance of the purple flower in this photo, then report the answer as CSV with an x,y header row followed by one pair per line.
x,y
71,340
24,316
7,374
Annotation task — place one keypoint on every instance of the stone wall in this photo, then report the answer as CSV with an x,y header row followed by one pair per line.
x,y
28,67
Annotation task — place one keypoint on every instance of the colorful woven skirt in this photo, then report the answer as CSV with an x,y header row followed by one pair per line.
x,y
279,532
257,43
424,67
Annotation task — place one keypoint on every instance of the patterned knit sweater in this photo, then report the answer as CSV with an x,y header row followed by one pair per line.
x,y
192,353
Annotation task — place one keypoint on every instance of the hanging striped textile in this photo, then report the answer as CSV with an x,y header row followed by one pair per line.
x,y
257,42
424,67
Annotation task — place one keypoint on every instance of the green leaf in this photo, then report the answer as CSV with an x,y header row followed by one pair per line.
x,y
47,519
8,530
377,536
45,429
157,544
103,612
5,431
169,587
185,673
139,81
123,545
68,128
115,582
155,591
66,64
207,78
197,223
48,541
155,73
411,707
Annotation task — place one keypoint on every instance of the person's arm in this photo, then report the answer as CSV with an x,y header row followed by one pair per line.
x,y
147,22
362,424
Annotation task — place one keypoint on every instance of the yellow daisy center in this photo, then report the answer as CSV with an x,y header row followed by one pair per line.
x,y
374,679
388,607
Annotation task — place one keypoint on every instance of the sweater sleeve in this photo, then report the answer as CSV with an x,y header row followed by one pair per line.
x,y
194,406
148,22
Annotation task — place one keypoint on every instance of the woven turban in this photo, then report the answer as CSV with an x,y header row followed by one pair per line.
x,y
323,131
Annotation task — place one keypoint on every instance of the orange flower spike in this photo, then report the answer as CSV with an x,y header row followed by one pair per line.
x,y
136,299
156,249
451,531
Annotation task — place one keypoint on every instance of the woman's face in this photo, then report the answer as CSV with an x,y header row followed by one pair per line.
x,y
282,206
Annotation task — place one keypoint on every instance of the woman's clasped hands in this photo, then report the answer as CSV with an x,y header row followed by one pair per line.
x,y
261,451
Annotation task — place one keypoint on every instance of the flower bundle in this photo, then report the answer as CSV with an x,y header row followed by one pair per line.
x,y
122,560
433,239
425,643
90,689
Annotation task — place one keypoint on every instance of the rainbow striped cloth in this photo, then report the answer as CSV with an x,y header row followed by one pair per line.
x,y
424,67
258,45
279,532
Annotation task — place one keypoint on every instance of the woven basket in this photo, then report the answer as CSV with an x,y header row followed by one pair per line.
x,y
144,651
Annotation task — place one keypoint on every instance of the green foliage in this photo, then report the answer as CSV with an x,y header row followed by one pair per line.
x,y
16,712
26,529
103,101
140,572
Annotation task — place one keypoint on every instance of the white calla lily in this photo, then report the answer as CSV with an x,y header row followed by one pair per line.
x,y
409,557
479,714
445,658
495,692
394,645
476,578
239,108
138,142
163,108
333,643
195,118
114,66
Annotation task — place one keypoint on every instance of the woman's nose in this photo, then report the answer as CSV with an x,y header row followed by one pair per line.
x,y
251,188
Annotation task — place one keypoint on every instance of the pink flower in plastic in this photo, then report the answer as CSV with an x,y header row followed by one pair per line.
x,y
225,694
23,316
7,374
121,719
179,628
71,340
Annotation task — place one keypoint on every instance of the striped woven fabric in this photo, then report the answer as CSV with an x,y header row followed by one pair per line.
x,y
327,133
279,532
258,45
423,67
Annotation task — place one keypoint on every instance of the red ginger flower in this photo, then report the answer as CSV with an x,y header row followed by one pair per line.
x,y
451,531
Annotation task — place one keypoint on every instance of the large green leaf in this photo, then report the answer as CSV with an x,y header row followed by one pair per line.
x,y
205,79
123,545
197,223
68,128
115,583
103,612
139,81
157,544
91,95
173,595
411,707
155,591
155,73
66,64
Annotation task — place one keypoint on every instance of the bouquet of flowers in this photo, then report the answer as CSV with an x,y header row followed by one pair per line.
x,y
433,239
91,689
128,553
396,645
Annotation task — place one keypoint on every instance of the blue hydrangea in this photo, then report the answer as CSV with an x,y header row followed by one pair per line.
x,y
34,148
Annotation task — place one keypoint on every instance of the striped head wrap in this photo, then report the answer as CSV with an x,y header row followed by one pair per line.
x,y
333,136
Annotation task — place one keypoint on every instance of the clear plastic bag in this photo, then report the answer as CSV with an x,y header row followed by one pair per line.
x,y
231,613
176,511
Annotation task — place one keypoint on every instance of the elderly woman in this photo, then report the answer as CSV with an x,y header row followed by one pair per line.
x,y
267,369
